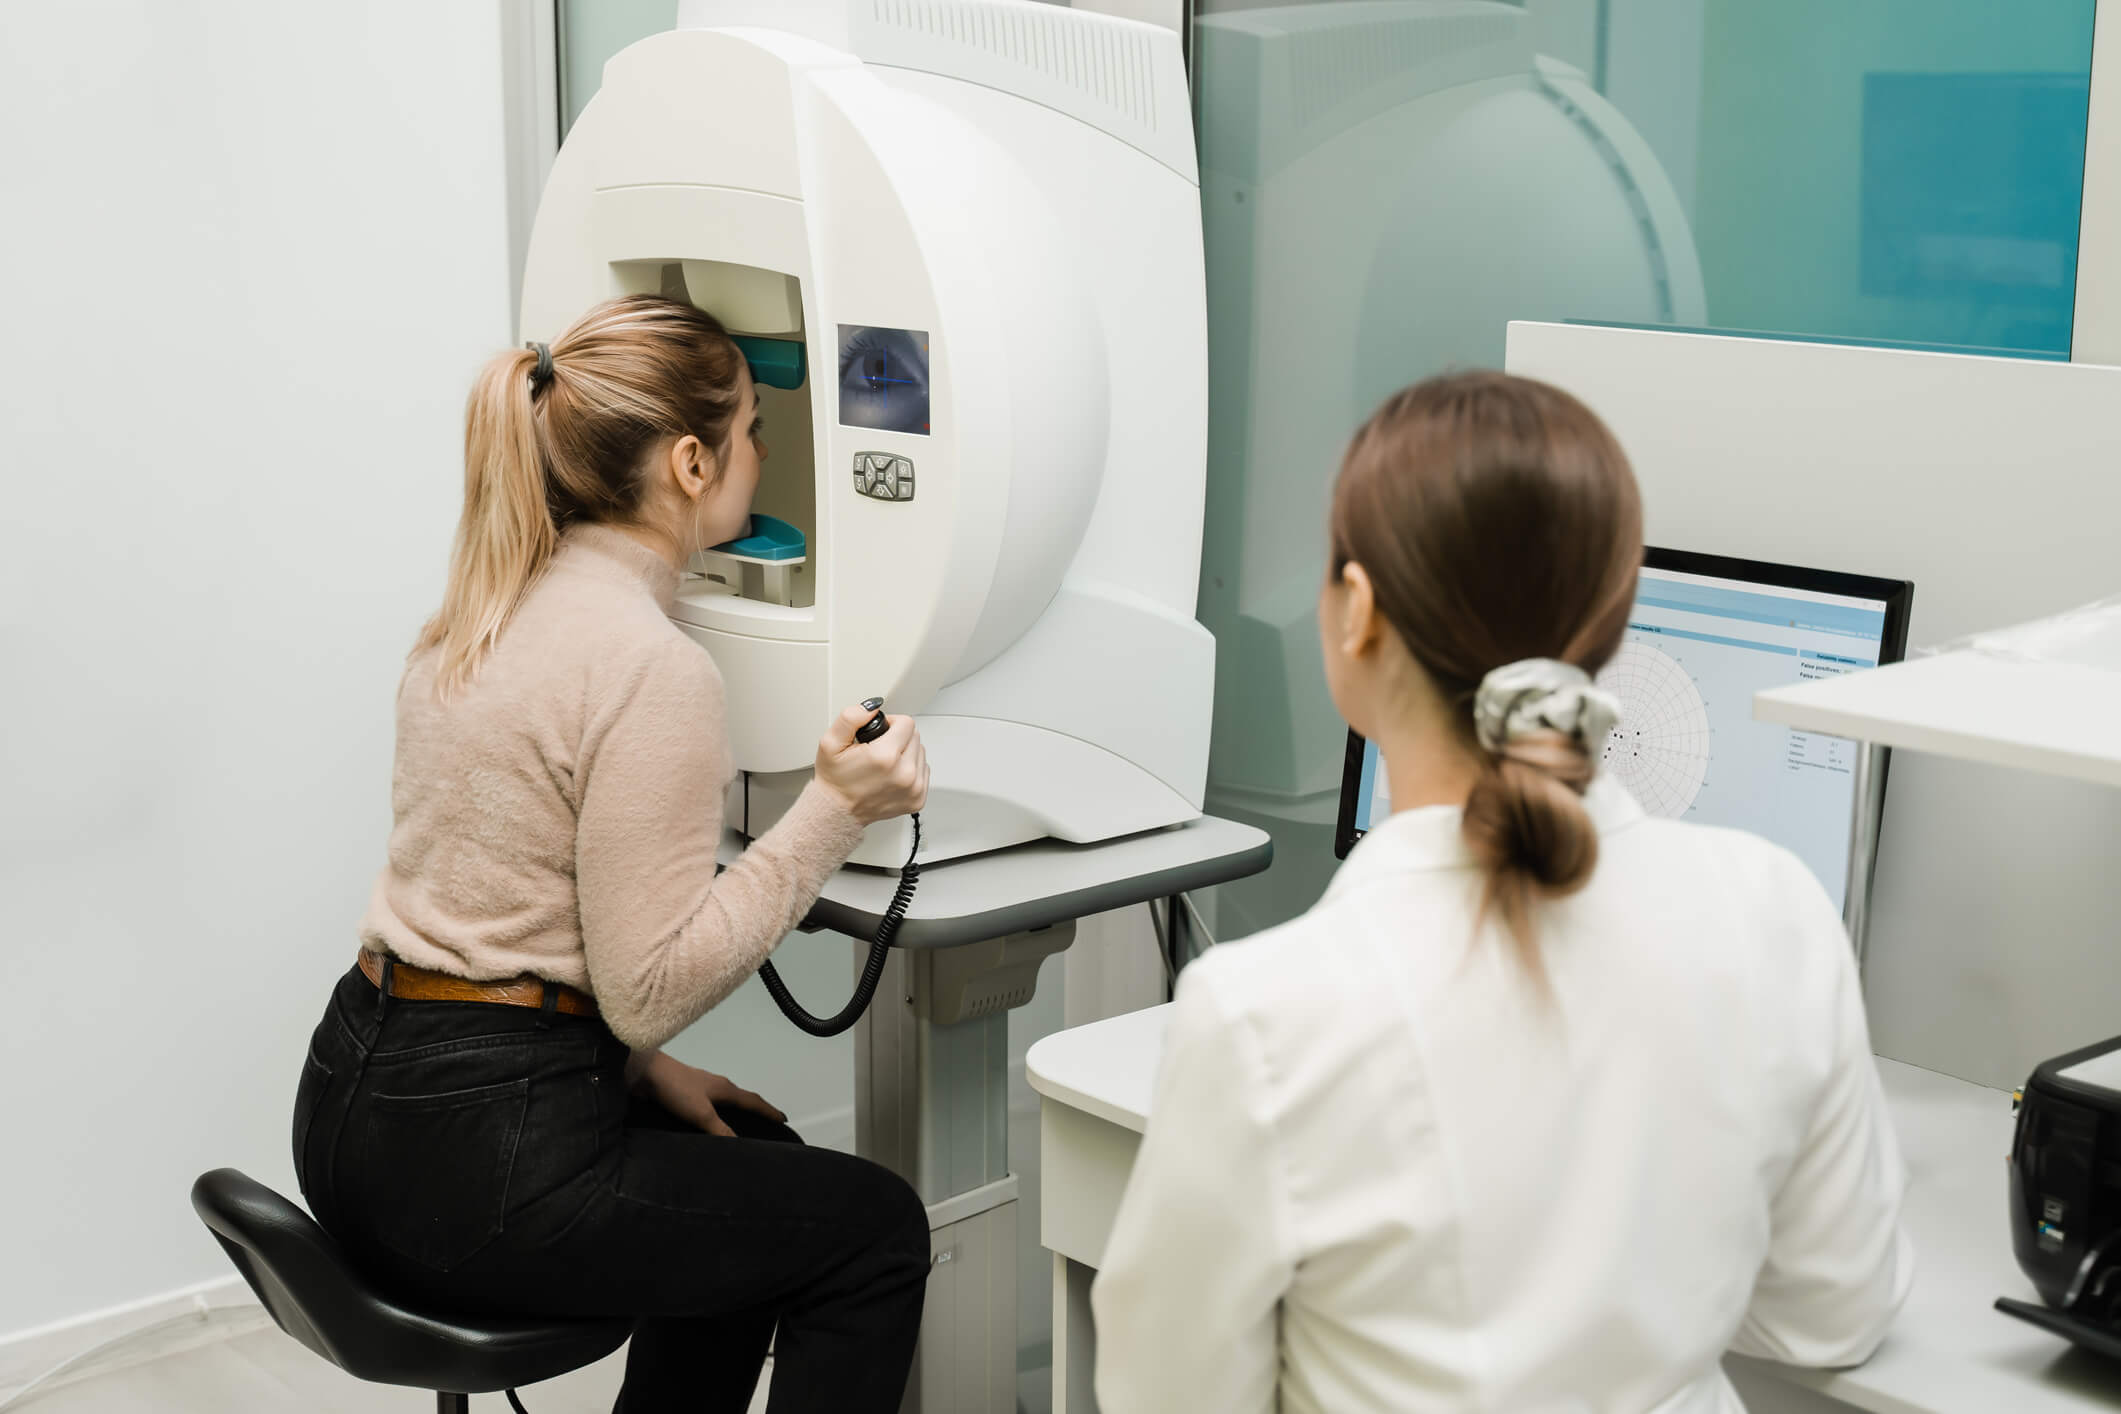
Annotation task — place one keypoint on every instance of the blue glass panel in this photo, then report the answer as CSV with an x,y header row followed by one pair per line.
x,y
1971,189
1385,184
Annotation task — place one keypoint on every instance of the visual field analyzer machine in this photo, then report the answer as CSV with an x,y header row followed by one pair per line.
x,y
959,243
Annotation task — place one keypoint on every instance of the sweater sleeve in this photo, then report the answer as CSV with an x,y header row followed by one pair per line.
x,y
664,938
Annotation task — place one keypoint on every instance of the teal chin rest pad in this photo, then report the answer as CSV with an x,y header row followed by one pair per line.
x,y
771,538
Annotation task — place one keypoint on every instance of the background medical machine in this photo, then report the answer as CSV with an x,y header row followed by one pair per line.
x,y
1384,183
1706,634
959,242
973,231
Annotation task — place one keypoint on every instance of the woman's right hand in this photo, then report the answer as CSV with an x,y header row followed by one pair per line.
x,y
875,780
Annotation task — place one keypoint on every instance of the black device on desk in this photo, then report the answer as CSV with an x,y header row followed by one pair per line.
x,y
2065,1197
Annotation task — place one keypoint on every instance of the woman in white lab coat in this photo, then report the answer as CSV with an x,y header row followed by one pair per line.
x,y
1546,1104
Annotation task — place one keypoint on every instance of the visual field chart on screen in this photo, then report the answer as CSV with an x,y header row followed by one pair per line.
x,y
1699,646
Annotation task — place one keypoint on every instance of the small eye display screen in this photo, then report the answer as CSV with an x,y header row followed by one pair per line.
x,y
884,378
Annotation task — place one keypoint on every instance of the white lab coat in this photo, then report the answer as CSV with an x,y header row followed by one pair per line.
x,y
1384,1170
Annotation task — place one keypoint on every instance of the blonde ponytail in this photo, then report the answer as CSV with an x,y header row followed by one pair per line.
x,y
570,445
506,535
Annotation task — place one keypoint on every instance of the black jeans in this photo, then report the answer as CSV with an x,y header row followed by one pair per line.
x,y
481,1158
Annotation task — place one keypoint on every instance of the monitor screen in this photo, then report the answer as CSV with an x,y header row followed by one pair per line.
x,y
1373,793
884,379
1705,635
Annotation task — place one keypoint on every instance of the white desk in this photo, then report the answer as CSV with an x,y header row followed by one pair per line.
x,y
1949,1352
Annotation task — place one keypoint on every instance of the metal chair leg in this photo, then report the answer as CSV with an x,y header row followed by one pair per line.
x,y
446,1403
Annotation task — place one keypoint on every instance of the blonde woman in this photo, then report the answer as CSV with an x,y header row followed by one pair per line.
x,y
484,1119
1546,1104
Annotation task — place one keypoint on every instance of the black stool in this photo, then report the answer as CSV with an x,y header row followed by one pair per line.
x,y
304,1281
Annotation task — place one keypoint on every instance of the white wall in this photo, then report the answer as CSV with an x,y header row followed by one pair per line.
x,y
251,254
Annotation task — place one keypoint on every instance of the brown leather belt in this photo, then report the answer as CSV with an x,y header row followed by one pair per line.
x,y
420,985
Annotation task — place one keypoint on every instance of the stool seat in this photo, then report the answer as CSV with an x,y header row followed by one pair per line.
x,y
315,1296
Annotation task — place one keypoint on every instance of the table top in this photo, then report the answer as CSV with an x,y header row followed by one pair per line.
x,y
1030,886
2062,719
1949,1352
1107,1068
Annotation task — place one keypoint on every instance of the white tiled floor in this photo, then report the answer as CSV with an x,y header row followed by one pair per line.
x,y
267,1372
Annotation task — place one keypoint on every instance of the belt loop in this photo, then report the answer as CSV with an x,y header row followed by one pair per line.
x,y
383,988
549,1005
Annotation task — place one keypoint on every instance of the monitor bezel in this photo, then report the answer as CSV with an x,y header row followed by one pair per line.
x,y
1346,835
1896,594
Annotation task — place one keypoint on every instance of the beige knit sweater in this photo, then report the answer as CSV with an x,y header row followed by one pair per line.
x,y
560,816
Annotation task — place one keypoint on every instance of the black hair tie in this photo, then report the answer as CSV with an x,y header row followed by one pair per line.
x,y
542,374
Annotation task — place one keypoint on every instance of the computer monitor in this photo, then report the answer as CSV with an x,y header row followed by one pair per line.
x,y
1706,634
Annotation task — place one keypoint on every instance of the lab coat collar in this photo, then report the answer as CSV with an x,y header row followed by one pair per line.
x,y
1431,837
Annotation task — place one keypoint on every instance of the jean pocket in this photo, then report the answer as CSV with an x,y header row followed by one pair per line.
x,y
436,1169
309,1098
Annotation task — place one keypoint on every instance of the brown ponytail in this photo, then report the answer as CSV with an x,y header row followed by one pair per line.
x,y
1498,520
626,375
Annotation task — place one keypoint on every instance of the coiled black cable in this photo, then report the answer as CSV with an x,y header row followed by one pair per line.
x,y
909,878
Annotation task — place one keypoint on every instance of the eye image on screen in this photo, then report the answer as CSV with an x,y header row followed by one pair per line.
x,y
884,378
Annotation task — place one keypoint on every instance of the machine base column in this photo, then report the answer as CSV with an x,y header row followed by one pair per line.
x,y
931,1103
967,1355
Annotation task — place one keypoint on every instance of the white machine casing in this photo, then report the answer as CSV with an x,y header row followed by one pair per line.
x,y
1016,181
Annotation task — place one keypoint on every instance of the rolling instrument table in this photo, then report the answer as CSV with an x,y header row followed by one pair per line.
x,y
931,1069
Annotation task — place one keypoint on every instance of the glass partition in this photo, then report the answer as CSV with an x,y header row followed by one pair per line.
x,y
1386,183
590,32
